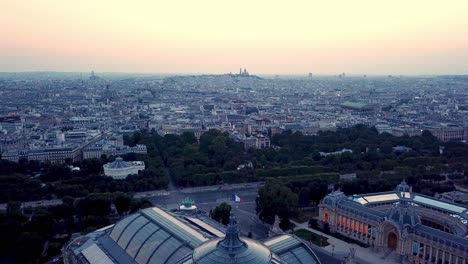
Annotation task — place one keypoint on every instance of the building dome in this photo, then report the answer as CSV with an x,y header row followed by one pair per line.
x,y
403,187
403,214
334,197
120,169
231,249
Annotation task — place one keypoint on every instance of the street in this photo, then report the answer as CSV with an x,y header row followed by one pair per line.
x,y
207,198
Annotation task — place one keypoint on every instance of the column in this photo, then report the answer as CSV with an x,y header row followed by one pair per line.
x,y
423,253
378,244
430,253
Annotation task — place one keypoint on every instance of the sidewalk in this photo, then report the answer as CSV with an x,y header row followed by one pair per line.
x,y
362,255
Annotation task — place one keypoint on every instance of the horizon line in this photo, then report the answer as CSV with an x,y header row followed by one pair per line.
x,y
306,74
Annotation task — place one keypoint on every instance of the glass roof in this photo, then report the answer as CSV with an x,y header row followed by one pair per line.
x,y
104,228
381,198
275,240
206,227
175,226
95,255
282,243
154,235
150,245
130,231
165,250
291,250
303,256
139,238
360,200
439,204
120,226
178,255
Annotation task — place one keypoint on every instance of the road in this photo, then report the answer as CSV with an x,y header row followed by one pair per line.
x,y
149,194
207,198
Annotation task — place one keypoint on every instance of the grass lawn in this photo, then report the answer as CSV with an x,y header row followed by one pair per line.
x,y
312,237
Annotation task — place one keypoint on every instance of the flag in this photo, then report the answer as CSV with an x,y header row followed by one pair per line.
x,y
236,199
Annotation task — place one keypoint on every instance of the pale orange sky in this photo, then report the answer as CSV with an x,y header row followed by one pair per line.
x,y
268,37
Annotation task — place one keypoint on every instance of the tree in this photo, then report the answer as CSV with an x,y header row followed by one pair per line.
x,y
313,223
56,173
285,224
386,147
122,202
13,208
29,247
317,190
221,213
41,222
94,205
189,138
276,199
138,204
304,196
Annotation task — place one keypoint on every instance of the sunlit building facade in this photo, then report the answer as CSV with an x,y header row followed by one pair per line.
x,y
414,227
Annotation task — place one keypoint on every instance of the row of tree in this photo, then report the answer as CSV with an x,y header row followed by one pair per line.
x,y
215,157
37,234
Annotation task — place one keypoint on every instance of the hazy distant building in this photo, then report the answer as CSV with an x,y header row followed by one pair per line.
x,y
98,150
450,133
56,155
93,77
11,124
8,143
243,72
356,106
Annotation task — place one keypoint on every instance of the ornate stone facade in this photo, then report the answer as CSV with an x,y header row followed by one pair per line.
x,y
420,229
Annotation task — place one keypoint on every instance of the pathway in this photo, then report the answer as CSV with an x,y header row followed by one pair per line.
x,y
362,255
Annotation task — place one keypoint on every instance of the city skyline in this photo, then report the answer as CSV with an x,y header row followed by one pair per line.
x,y
416,38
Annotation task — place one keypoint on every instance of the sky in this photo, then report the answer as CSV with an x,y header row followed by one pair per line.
x,y
408,37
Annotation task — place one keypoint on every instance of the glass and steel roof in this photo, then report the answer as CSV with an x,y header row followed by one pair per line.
x,y
117,164
439,204
150,236
232,249
175,226
205,226
403,192
381,198
95,255
291,250
154,235
360,200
